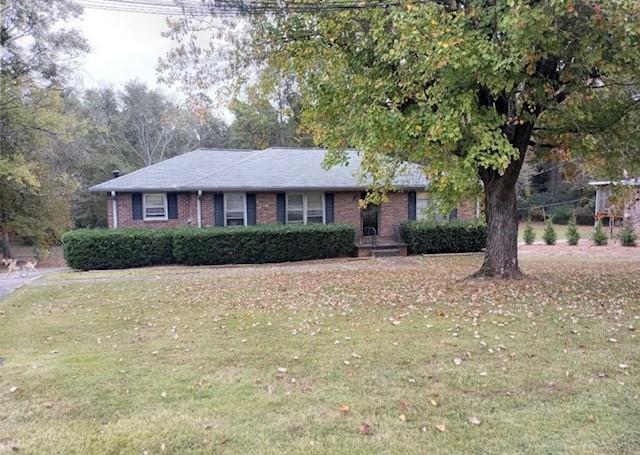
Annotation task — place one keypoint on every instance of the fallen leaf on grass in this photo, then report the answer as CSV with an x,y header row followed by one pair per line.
x,y
457,361
474,421
13,389
365,428
402,417
441,427
344,408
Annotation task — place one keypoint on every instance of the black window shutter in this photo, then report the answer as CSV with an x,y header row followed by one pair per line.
x,y
136,206
172,206
251,209
328,208
453,215
218,209
412,205
281,208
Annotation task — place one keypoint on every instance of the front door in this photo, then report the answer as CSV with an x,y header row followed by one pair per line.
x,y
370,220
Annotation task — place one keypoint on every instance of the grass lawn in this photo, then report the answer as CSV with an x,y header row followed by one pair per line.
x,y
390,356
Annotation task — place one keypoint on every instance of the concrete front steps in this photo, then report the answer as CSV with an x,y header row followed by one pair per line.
x,y
380,248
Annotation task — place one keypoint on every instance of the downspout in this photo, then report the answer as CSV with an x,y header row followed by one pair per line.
x,y
114,209
199,208
477,207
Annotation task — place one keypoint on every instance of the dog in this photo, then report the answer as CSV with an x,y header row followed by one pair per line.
x,y
24,267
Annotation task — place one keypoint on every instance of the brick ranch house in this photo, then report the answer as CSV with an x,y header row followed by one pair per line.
x,y
214,187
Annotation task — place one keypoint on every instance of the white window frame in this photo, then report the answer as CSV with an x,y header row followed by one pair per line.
x,y
244,205
144,208
304,207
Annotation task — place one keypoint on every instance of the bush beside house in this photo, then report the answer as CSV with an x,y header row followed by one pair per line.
x,y
88,249
260,244
428,237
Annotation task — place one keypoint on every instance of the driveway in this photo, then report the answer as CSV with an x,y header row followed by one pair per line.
x,y
14,281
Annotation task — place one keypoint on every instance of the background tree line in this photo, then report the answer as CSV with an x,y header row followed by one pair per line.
x,y
137,126
57,140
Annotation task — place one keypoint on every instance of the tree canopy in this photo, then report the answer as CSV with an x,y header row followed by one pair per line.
x,y
463,88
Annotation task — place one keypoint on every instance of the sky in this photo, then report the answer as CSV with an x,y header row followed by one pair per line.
x,y
124,46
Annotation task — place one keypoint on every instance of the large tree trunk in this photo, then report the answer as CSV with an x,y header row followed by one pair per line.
x,y
501,256
6,244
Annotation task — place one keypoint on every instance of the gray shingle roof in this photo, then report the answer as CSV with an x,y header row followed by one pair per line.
x,y
274,168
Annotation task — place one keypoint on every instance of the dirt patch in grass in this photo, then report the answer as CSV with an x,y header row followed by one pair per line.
x,y
296,358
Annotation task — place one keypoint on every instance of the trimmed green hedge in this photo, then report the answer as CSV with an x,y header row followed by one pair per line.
x,y
87,249
259,244
428,237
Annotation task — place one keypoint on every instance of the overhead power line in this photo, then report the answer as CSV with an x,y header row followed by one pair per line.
x,y
235,7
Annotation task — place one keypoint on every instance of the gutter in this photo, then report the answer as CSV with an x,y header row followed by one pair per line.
x,y
247,189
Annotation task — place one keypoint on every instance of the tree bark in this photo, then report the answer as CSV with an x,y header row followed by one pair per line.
x,y
6,244
501,255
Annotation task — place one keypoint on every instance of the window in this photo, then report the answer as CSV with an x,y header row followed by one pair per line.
x,y
235,213
422,205
426,209
315,208
295,208
305,208
154,206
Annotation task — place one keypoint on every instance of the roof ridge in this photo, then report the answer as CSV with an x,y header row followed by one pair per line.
x,y
220,149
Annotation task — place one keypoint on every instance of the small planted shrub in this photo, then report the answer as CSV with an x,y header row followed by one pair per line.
x,y
627,235
549,235
88,249
599,237
573,236
529,235
429,237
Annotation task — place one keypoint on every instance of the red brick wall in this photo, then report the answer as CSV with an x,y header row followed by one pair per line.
x,y
346,210
186,213
266,208
392,213
206,205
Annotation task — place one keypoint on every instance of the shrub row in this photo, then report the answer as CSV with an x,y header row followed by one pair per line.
x,y
88,249
259,244
426,237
